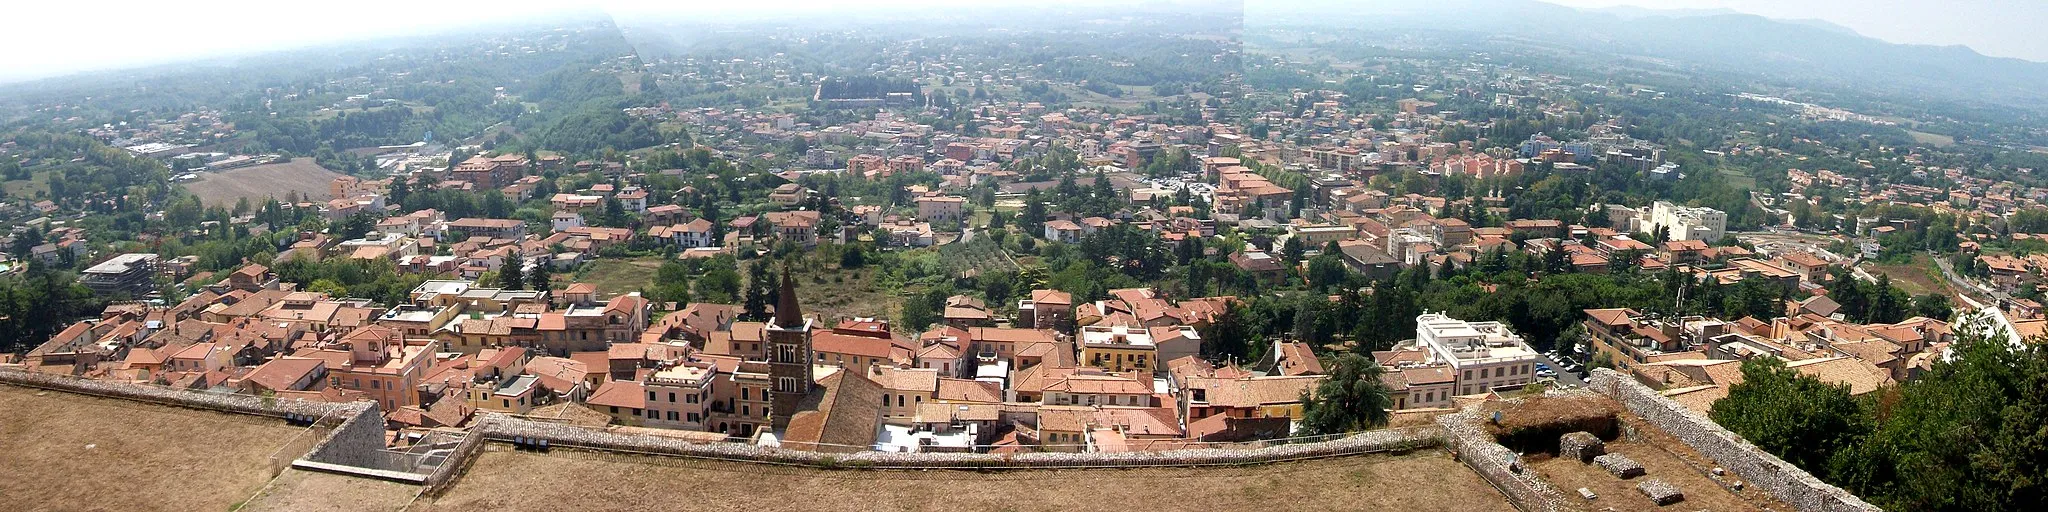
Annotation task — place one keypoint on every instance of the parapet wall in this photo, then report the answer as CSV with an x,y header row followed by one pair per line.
x,y
496,427
1781,479
1500,466
327,412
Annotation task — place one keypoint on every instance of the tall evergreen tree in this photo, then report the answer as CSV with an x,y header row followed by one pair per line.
x,y
511,275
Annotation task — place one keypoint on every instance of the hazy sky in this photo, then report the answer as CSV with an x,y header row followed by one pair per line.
x,y
2000,28
54,37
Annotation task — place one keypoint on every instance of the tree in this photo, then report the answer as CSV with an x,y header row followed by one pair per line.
x,y
1933,305
1350,398
761,291
1229,337
1794,416
510,275
720,284
923,310
541,279
1327,270
1032,221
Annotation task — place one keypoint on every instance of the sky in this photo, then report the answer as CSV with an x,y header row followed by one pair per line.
x,y
1999,28
50,38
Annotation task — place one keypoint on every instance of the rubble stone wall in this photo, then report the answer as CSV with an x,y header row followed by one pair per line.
x,y
223,402
1762,470
1499,466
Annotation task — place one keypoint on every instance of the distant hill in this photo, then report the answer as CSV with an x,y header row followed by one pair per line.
x,y
1811,52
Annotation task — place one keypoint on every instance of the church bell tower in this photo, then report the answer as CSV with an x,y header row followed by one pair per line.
x,y
789,356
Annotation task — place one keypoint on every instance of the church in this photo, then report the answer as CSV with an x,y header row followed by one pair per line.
x,y
813,406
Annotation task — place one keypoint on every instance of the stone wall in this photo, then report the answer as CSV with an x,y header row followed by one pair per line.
x,y
223,402
1781,479
358,442
502,428
1500,466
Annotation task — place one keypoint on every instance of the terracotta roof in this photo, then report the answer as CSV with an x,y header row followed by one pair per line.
x,y
906,379
840,415
619,393
281,373
964,390
1861,376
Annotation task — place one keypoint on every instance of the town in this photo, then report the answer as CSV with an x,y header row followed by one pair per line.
x,y
871,245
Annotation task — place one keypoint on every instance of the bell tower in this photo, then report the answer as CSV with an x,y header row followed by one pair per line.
x,y
789,356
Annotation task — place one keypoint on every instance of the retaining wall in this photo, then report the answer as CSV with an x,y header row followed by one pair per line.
x,y
502,428
358,441
1495,463
232,403
1781,479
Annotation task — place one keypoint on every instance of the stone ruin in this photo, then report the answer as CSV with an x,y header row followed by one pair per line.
x,y
1619,465
1581,446
1659,491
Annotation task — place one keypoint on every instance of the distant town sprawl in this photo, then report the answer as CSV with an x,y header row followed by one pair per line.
x,y
949,244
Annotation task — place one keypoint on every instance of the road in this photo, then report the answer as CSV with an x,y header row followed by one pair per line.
x,y
1564,378
1948,271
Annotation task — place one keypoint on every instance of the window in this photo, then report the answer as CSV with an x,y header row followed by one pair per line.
x,y
785,384
615,409
671,397
651,396
373,384
507,403
885,400
1468,374
744,392
899,400
671,415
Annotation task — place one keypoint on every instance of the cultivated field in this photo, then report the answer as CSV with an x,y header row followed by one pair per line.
x,y
269,180
1426,481
60,451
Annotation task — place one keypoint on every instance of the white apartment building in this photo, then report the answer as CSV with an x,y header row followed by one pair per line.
x,y
1683,223
1482,355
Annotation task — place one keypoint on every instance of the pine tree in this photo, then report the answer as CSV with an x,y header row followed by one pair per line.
x,y
511,275
541,278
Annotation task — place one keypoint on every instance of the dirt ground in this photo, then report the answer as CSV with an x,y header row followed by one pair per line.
x,y
313,491
60,451
1663,457
1424,481
309,179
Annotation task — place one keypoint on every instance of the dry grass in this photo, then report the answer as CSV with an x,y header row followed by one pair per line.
x,y
837,294
1916,277
617,276
503,479
61,451
312,491
1663,458
258,182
